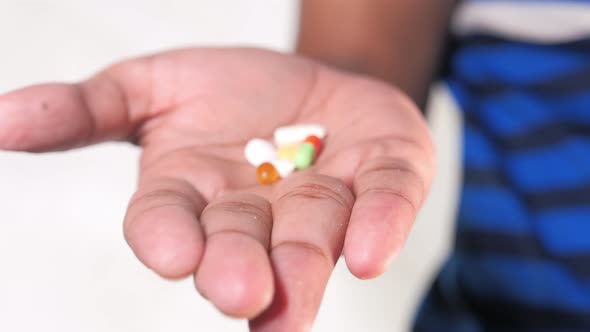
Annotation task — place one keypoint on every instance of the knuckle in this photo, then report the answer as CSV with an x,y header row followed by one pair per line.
x,y
163,193
305,246
155,197
391,176
239,208
163,188
245,209
385,164
404,196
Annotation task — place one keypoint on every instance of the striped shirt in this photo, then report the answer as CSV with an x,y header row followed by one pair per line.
x,y
521,259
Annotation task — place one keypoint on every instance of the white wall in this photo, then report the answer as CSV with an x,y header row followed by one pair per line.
x,y
64,265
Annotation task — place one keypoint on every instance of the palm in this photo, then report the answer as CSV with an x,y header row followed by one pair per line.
x,y
209,115
192,112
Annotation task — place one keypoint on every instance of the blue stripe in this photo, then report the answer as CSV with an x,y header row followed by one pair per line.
x,y
541,284
493,209
554,168
514,63
496,209
536,201
511,113
478,151
459,91
521,246
557,167
565,231
514,112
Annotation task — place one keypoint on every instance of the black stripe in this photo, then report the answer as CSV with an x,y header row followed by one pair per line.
x,y
567,83
481,177
578,196
533,138
501,315
549,134
520,246
484,40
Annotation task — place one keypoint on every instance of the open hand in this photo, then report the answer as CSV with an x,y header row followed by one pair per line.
x,y
258,252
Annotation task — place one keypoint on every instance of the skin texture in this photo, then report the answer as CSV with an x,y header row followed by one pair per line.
x,y
398,41
198,209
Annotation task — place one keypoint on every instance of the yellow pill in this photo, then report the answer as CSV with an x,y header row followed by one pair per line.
x,y
288,152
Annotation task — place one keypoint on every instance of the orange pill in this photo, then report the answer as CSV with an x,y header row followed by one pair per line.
x,y
266,173
316,142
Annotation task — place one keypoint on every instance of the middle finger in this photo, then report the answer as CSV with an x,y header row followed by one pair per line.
x,y
235,273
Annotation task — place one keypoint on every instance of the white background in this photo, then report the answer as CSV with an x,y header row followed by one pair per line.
x,y
64,265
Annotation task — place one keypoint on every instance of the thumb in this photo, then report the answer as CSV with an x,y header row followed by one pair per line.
x,y
58,116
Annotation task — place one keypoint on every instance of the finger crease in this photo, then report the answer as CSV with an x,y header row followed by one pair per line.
x,y
237,232
163,193
90,116
240,208
395,167
316,192
310,247
132,218
390,192
252,212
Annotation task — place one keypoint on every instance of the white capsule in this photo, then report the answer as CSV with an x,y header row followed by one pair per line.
x,y
297,133
284,167
259,151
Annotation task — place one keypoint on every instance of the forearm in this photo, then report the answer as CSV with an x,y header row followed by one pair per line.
x,y
399,41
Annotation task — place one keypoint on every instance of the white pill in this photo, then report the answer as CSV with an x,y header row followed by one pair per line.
x,y
259,151
297,133
284,167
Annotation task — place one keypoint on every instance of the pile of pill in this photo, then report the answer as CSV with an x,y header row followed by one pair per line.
x,y
295,147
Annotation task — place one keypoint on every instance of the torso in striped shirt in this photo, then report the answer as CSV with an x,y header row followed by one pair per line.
x,y
521,261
